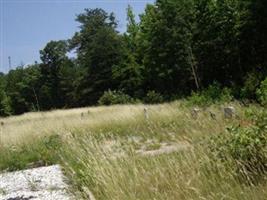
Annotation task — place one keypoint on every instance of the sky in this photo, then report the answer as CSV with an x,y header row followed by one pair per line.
x,y
27,25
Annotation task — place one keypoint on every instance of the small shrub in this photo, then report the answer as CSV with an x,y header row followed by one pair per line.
x,y
262,93
246,147
212,94
115,97
226,95
197,99
153,97
252,82
40,152
5,104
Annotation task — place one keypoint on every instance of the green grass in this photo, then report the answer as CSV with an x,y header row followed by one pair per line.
x,y
99,153
38,153
2,191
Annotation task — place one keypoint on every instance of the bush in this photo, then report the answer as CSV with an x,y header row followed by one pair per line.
x,y
246,147
251,83
212,94
153,97
5,104
262,93
115,97
41,152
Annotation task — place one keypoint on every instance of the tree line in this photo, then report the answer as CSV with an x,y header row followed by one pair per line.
x,y
177,46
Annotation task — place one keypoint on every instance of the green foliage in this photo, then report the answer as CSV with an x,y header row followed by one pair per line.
x,y
133,29
245,146
251,84
54,53
40,152
153,97
176,46
98,48
218,25
5,104
262,93
54,58
213,94
253,35
115,97
128,74
164,40
69,80
22,87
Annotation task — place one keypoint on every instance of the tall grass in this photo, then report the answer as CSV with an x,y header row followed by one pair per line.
x,y
181,175
97,148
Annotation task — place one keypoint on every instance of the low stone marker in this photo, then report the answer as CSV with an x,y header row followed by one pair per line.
x,y
146,113
82,115
165,149
229,112
194,113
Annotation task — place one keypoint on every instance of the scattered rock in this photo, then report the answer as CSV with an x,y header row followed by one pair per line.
x,y
212,115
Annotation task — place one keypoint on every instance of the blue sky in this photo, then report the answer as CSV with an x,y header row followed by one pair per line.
x,y
27,25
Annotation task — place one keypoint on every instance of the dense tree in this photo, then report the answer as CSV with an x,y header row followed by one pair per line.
x,y
5,107
22,86
165,42
216,42
253,42
18,103
54,58
128,74
178,46
254,34
98,47
68,76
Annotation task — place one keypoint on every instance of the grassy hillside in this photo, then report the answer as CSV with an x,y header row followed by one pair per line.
x,y
131,151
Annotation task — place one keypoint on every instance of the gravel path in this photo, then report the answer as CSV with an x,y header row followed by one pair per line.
x,y
44,183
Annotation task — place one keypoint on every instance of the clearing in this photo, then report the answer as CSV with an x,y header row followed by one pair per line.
x,y
120,152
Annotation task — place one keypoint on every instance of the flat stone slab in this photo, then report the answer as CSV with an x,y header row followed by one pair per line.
x,y
165,149
44,183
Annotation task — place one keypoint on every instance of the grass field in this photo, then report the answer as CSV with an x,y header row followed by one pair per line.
x,y
123,152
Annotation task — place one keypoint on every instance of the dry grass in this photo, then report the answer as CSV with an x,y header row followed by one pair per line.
x,y
99,151
17,129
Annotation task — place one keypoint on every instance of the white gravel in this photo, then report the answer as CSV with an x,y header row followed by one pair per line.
x,y
44,183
